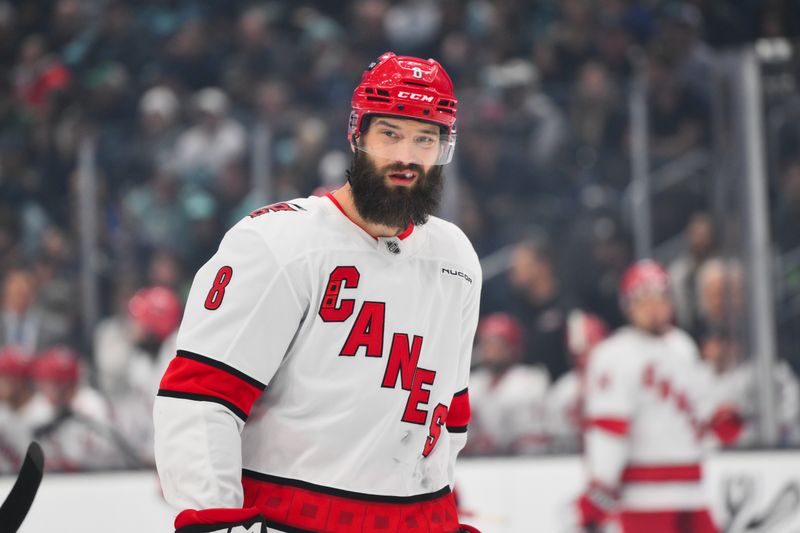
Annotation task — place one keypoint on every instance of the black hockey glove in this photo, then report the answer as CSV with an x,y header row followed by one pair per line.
x,y
220,521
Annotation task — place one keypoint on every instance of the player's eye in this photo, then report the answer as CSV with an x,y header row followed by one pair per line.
x,y
390,134
425,140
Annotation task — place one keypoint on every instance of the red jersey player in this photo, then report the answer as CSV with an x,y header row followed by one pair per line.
x,y
322,364
646,414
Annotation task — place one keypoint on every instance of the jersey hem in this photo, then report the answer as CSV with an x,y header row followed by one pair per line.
x,y
363,496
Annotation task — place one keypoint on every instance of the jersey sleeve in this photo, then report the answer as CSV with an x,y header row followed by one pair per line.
x,y
459,412
612,382
241,315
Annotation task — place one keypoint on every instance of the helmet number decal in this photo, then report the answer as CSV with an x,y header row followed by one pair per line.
x,y
416,72
217,292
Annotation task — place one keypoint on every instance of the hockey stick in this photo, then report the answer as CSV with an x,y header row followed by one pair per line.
x,y
19,500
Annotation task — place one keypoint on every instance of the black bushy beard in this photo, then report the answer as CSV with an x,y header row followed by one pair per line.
x,y
397,206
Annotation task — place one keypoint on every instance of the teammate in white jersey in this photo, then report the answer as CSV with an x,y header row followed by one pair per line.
x,y
322,364
645,414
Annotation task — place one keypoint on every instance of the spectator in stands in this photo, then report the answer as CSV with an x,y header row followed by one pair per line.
x,y
79,435
539,305
507,397
598,123
214,140
787,214
677,116
699,244
719,297
154,144
21,318
155,213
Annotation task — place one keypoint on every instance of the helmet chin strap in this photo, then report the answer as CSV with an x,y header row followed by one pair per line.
x,y
349,171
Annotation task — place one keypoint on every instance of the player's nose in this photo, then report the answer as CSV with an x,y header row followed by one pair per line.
x,y
406,154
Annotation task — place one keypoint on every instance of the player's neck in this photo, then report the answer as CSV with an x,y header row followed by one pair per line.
x,y
344,195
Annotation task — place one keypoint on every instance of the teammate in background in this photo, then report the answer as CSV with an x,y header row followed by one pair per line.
x,y
79,435
646,414
350,319
21,409
733,387
507,396
132,353
565,400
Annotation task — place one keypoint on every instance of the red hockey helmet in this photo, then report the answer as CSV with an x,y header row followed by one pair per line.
x,y
584,332
157,309
407,87
503,325
14,362
643,276
59,363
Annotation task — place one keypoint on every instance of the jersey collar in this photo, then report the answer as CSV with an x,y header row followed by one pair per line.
x,y
402,235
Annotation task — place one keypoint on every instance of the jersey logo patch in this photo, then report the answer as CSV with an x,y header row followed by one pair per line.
x,y
274,208
457,273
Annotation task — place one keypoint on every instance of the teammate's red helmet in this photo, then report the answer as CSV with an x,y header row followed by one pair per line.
x,y
157,310
643,276
584,331
59,363
406,87
505,326
14,362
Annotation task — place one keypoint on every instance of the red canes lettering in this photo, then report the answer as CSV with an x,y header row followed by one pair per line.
x,y
419,395
402,360
437,421
341,277
367,331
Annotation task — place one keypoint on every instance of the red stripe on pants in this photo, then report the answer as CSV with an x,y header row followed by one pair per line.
x,y
667,522
667,473
311,510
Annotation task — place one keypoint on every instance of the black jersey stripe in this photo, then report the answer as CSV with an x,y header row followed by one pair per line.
x,y
417,498
203,398
222,366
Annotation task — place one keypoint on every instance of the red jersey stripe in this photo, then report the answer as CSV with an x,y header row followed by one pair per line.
x,y
662,473
193,377
459,413
617,426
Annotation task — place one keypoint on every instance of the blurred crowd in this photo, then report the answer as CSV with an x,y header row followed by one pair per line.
x,y
191,114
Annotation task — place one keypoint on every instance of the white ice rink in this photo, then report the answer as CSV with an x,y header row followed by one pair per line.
x,y
499,495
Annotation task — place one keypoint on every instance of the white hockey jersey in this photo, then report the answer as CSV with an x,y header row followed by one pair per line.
x,y
564,413
508,412
361,347
646,409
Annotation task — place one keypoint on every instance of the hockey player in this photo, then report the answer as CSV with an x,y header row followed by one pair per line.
x,y
79,435
507,396
137,352
21,409
645,418
565,399
320,382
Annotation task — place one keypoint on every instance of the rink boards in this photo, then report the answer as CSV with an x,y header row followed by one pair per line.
x,y
750,491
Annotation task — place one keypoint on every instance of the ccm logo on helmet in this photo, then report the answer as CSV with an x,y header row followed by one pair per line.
x,y
414,96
